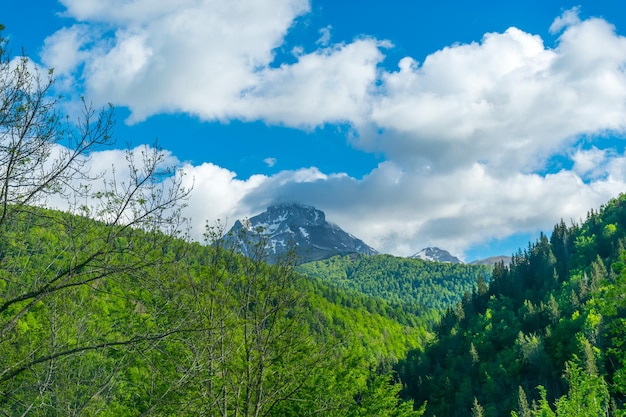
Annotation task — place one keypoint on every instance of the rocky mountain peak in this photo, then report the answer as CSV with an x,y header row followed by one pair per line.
x,y
299,214
436,255
303,228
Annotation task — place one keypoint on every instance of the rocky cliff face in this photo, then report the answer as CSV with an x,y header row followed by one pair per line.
x,y
294,226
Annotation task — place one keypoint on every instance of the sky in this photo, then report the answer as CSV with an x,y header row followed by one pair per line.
x,y
467,125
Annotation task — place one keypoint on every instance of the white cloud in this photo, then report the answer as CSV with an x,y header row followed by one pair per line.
x,y
216,195
401,212
324,39
568,18
115,11
395,209
195,57
330,85
466,133
589,162
270,162
508,101
212,60
104,171
506,95
62,50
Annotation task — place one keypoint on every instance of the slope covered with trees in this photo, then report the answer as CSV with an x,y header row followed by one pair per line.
x,y
186,329
416,287
545,337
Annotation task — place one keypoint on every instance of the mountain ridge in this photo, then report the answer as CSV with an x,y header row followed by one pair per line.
x,y
435,254
304,229
293,226
492,260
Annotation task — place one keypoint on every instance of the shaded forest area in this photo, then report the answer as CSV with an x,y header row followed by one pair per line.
x,y
546,337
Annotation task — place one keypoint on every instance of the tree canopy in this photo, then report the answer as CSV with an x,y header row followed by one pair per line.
x,y
552,319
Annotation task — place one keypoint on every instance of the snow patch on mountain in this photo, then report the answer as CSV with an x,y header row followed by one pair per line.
x,y
435,254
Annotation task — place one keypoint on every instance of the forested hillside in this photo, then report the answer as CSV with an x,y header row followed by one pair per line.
x,y
158,326
545,338
416,287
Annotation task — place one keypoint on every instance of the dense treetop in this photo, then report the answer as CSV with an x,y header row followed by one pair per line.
x,y
554,319
419,288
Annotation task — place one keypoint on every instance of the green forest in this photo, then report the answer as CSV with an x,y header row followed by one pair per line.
x,y
417,289
120,321
108,308
545,338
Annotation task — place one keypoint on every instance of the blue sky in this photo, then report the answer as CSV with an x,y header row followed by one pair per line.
x,y
465,125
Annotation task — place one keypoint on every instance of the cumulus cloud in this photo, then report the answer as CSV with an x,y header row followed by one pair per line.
x,y
115,11
400,211
62,50
330,85
508,101
590,162
108,171
466,132
217,195
568,18
196,57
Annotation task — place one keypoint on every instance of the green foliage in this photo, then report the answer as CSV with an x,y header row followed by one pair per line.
x,y
380,399
556,301
414,286
189,324
588,396
105,310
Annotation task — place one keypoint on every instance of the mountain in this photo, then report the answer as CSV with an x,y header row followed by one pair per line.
x,y
303,228
506,260
436,255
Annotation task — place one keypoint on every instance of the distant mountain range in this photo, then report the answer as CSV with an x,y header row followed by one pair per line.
x,y
435,254
283,227
492,260
299,227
